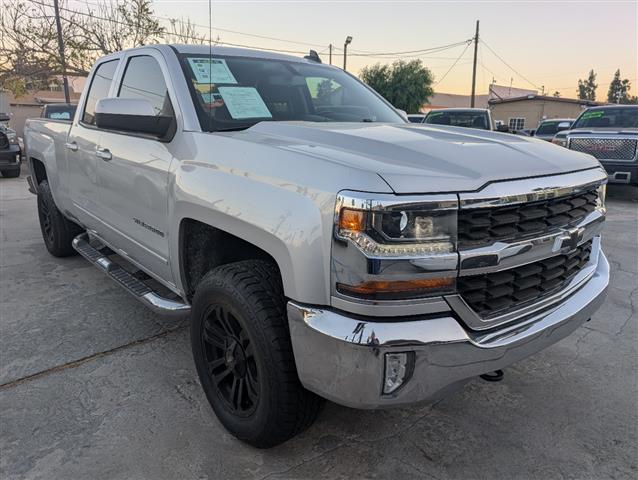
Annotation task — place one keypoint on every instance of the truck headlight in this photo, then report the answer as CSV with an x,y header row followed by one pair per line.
x,y
602,193
13,138
390,247
398,231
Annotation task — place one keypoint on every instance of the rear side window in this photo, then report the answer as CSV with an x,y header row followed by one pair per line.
x,y
143,79
100,85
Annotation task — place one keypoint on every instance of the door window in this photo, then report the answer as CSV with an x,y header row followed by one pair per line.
x,y
100,85
143,79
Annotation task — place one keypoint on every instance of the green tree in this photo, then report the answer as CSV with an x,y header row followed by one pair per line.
x,y
406,85
619,90
587,88
324,91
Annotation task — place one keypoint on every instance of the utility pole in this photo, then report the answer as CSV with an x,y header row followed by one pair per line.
x,y
330,50
476,40
345,50
58,24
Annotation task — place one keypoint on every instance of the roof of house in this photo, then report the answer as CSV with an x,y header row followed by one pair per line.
x,y
41,97
451,100
545,98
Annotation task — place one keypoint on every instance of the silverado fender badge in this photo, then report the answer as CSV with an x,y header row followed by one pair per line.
x,y
148,227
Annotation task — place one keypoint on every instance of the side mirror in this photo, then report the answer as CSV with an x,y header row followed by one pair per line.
x,y
503,128
563,126
134,115
403,113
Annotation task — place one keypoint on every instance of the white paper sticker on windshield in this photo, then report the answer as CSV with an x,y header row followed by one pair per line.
x,y
211,70
244,102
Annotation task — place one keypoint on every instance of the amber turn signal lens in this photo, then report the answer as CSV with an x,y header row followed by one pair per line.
x,y
354,220
394,290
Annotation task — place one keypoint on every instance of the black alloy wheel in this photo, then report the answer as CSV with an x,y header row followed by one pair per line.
x,y
231,361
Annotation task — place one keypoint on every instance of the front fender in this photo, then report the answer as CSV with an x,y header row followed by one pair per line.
x,y
290,223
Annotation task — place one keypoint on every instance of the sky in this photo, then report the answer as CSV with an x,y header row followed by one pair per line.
x,y
548,44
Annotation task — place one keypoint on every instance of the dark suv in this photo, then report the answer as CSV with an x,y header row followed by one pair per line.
x,y
10,151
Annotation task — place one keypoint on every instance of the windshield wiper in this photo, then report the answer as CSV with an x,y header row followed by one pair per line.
x,y
233,129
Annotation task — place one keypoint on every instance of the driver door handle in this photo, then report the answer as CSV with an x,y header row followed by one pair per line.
x,y
71,146
103,153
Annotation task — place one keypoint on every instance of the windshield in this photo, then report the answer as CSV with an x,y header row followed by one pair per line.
x,y
613,117
549,128
459,119
233,93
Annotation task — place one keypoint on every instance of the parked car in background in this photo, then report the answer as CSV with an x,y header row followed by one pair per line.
x,y
10,152
525,132
324,248
58,111
550,127
609,133
461,117
416,117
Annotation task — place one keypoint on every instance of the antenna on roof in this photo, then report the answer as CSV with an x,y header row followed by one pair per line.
x,y
313,56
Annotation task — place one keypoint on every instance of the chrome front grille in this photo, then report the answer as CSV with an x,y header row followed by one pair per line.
x,y
484,226
606,148
498,293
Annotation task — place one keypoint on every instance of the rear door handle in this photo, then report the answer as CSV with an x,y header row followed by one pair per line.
x,y
71,146
103,153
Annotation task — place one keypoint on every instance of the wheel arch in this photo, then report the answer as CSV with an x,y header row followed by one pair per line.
x,y
38,170
203,247
300,259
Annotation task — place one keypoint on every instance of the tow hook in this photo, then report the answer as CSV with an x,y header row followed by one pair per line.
x,y
495,376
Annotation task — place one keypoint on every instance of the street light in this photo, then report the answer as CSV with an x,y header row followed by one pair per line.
x,y
345,50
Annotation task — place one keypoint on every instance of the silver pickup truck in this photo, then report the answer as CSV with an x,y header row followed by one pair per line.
x,y
324,246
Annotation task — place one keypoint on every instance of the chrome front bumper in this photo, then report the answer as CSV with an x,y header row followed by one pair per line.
x,y
341,358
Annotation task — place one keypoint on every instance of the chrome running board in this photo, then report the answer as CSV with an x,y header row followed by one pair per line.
x,y
135,287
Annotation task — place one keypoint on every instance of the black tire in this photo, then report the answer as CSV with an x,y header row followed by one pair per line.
x,y
57,231
240,308
14,173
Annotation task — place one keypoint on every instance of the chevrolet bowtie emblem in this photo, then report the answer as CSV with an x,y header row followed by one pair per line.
x,y
569,240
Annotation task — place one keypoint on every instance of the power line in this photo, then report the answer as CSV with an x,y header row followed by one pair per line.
x,y
190,37
469,42
178,35
227,30
408,52
509,66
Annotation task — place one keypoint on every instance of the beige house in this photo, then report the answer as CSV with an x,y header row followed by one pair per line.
x,y
30,105
526,112
454,100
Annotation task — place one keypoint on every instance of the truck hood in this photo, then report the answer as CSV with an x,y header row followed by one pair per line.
x,y
420,158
